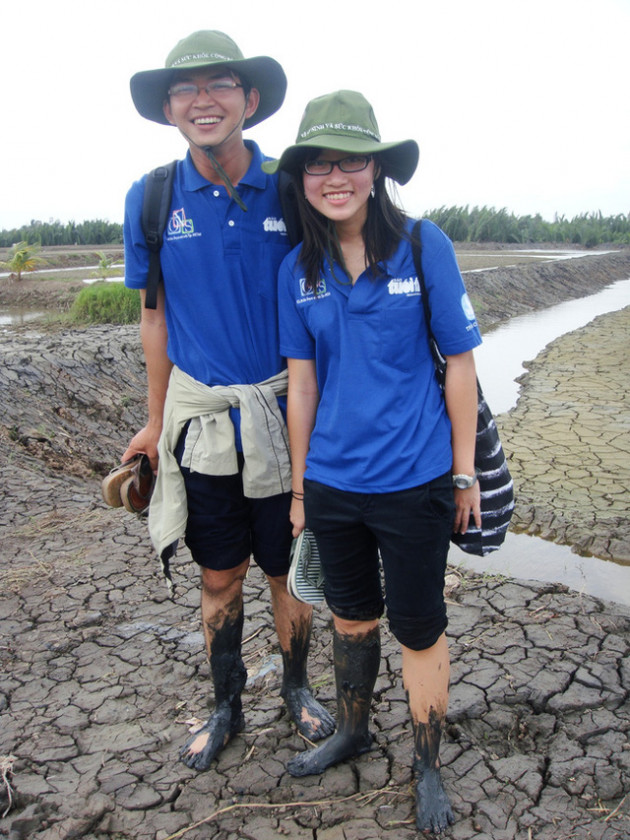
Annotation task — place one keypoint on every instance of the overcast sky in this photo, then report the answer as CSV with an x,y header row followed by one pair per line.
x,y
514,104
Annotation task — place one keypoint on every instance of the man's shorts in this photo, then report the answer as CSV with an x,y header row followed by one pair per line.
x,y
411,531
225,527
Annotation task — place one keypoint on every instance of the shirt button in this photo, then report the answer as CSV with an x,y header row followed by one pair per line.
x,y
231,223
216,193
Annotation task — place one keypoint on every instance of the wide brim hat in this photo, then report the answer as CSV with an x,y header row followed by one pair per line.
x,y
149,88
344,122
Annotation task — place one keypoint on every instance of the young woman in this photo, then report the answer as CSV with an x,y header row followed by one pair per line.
x,y
376,446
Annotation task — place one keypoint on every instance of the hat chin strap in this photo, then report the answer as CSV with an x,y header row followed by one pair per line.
x,y
207,150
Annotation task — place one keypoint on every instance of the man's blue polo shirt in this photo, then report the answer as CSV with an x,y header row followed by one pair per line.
x,y
220,267
381,422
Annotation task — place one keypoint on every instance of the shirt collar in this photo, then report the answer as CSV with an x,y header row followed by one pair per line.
x,y
254,177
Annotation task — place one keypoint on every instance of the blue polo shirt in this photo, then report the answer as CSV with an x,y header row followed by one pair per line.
x,y
381,422
220,267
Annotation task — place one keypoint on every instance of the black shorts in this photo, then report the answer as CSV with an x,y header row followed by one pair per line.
x,y
411,531
225,527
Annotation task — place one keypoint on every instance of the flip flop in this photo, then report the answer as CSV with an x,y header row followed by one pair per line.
x,y
111,484
136,491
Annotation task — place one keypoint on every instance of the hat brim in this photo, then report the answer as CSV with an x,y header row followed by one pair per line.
x,y
149,88
398,160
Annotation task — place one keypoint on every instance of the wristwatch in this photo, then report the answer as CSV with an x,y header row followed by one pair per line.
x,y
463,481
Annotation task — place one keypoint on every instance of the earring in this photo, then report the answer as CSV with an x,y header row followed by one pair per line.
x,y
372,192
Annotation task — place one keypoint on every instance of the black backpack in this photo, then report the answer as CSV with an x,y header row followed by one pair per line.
x,y
156,206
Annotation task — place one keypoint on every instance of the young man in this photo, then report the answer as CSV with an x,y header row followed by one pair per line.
x,y
214,369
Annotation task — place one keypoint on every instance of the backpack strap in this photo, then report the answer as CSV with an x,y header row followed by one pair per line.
x,y
288,201
155,209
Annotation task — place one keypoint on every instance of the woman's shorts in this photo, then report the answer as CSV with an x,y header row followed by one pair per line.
x,y
411,531
225,527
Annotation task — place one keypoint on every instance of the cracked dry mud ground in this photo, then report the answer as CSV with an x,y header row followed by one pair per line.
x,y
101,671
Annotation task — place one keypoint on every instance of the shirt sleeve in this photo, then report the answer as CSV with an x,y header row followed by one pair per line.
x,y
453,319
296,340
136,251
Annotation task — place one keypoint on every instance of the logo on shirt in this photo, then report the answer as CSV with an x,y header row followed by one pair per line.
x,y
179,225
467,307
308,295
407,286
273,225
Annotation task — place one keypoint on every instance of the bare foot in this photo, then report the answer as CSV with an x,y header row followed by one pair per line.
x,y
338,748
200,750
310,717
433,810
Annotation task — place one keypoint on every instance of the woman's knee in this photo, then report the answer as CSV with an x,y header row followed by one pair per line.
x,y
418,632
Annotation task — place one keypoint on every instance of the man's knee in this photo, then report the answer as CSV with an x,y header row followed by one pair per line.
x,y
224,581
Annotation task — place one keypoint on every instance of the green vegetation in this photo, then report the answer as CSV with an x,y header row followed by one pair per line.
x,y
462,224
106,303
96,232
23,257
485,224
105,264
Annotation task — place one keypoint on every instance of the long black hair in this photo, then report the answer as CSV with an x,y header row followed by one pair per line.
x,y
384,227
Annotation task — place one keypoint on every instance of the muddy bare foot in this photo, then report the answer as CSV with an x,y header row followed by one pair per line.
x,y
338,748
433,810
200,750
310,717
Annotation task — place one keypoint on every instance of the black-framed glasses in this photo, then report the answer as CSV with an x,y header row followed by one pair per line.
x,y
352,163
188,90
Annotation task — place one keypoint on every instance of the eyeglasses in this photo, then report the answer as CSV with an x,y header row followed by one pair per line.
x,y
187,90
354,163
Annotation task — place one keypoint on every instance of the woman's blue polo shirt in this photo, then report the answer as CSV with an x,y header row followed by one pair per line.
x,y
381,422
220,267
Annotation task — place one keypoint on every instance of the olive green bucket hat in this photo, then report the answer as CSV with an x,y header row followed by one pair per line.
x,y
344,122
149,88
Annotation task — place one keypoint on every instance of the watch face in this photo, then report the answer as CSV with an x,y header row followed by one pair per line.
x,y
463,482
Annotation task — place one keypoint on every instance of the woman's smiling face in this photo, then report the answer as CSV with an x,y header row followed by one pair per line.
x,y
340,196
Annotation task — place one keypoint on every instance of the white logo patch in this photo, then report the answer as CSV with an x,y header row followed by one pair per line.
x,y
467,306
274,225
406,286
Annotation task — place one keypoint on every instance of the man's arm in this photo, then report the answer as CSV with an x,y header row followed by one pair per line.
x,y
302,402
461,404
153,334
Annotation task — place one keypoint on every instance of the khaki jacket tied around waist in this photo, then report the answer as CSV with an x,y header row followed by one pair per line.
x,y
210,445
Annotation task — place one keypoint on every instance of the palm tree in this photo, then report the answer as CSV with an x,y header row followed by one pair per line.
x,y
23,258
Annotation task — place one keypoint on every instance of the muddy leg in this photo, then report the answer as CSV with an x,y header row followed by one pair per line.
x,y
223,629
293,625
357,659
433,810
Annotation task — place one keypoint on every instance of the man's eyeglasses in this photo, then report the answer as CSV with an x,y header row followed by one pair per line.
x,y
354,163
187,90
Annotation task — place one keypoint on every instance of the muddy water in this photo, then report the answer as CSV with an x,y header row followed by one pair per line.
x,y
500,358
499,363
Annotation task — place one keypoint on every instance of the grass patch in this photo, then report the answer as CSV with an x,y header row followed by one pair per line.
x,y
106,303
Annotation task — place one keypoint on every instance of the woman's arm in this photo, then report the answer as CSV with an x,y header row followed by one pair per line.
x,y
302,402
461,405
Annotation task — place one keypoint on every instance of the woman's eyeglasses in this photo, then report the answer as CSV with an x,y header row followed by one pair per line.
x,y
353,163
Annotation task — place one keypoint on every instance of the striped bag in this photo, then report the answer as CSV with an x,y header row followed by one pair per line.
x,y
495,481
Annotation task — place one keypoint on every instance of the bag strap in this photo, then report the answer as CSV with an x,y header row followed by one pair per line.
x,y
416,250
156,205
288,201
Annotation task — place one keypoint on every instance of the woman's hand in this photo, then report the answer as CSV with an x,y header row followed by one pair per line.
x,y
296,515
466,502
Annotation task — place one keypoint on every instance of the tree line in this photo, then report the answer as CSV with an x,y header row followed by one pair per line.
x,y
486,224
461,224
95,232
